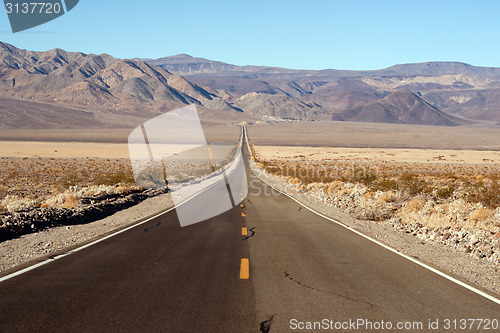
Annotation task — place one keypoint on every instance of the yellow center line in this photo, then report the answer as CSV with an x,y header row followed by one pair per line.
x,y
244,269
244,231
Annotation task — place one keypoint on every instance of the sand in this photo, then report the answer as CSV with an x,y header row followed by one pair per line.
x,y
62,149
47,149
283,153
374,135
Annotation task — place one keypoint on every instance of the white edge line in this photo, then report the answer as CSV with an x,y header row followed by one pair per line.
x,y
432,269
42,263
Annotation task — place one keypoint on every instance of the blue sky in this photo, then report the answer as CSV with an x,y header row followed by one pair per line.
x,y
295,34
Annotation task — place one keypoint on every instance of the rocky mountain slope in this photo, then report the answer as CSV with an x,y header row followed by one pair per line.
x,y
103,88
400,107
456,88
97,86
111,91
88,79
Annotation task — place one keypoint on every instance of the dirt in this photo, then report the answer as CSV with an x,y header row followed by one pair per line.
x,y
284,153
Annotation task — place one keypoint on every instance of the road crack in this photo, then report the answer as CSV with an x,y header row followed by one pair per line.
x,y
265,326
252,230
289,277
156,225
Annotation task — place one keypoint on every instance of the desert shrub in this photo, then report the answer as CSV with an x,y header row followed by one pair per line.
x,y
3,191
413,185
481,214
71,179
416,204
13,203
124,177
386,197
384,184
365,176
488,195
445,191
71,201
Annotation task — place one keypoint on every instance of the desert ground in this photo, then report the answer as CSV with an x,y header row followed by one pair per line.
x,y
45,149
214,133
287,153
374,135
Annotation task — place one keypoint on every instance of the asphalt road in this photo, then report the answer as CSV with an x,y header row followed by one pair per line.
x,y
159,277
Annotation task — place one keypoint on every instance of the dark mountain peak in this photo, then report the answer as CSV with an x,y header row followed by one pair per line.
x,y
403,107
436,64
185,64
431,68
55,51
403,93
182,58
405,99
182,55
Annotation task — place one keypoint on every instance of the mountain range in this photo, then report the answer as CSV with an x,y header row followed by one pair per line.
x,y
458,89
70,89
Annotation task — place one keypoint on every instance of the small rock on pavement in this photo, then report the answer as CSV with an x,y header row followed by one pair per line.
x,y
474,240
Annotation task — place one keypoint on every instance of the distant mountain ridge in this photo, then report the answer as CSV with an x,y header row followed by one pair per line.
x,y
111,91
457,88
433,93
441,68
185,64
75,77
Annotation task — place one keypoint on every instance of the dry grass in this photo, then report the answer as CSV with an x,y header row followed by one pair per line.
x,y
43,182
481,214
71,201
474,183
463,196
416,204
431,194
